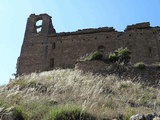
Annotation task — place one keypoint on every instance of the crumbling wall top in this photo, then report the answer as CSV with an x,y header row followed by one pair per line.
x,y
40,15
101,29
86,31
138,26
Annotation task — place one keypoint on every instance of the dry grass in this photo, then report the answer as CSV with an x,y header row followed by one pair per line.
x,y
104,97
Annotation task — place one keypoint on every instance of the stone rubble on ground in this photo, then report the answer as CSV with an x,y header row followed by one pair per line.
x,y
153,116
9,114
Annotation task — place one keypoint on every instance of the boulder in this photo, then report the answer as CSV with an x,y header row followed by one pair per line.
x,y
137,117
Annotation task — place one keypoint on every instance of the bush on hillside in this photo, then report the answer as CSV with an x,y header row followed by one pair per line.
x,y
140,65
92,56
122,55
96,56
113,57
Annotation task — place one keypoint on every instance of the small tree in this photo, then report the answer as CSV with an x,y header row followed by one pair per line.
x,y
92,56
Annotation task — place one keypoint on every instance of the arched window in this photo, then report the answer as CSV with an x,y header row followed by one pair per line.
x,y
150,52
51,63
39,26
101,48
46,49
53,46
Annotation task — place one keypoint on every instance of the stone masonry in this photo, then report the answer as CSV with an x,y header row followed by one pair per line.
x,y
46,50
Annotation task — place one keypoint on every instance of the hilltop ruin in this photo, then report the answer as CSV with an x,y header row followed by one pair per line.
x,y
45,49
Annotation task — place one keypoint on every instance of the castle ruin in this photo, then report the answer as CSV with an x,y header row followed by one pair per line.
x,y
46,50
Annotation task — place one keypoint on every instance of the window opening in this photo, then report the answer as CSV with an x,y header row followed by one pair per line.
x,y
150,52
130,47
39,26
53,46
51,62
46,50
101,48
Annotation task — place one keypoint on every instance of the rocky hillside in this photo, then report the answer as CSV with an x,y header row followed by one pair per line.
x,y
71,94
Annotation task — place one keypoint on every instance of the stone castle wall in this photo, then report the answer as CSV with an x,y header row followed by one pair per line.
x,y
46,50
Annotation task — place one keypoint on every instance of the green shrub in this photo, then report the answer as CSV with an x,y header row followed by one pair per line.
x,y
69,113
140,65
96,56
121,55
92,56
113,57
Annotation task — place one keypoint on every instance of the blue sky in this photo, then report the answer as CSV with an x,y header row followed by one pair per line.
x,y
67,15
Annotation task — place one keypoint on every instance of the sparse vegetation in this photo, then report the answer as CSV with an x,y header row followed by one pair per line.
x,y
92,56
96,56
104,97
122,55
113,57
140,65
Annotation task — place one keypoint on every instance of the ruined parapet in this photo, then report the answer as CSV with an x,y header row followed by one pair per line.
x,y
103,29
138,26
86,31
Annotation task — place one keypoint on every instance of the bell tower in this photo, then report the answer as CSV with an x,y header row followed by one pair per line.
x,y
45,27
35,47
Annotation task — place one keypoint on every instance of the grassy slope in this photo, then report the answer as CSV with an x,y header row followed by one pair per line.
x,y
104,97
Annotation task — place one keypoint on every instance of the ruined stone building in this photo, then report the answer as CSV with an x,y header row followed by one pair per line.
x,y
46,50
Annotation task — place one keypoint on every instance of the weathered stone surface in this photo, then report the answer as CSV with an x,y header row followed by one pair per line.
x,y
149,117
137,117
138,26
46,50
145,117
